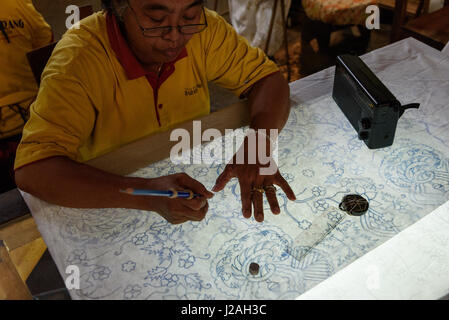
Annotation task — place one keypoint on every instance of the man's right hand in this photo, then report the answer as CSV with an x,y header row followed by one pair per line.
x,y
179,210
64,182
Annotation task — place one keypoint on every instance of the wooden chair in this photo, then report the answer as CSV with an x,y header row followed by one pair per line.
x,y
431,28
324,17
11,285
414,9
19,236
39,57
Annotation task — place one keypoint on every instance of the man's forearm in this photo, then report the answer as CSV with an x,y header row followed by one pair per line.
x,y
269,102
64,182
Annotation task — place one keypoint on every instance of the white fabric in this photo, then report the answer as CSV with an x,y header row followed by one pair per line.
x,y
412,265
131,254
446,49
251,19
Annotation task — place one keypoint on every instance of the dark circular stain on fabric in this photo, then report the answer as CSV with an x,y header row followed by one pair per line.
x,y
354,204
254,268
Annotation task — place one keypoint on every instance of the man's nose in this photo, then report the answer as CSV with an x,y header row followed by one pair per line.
x,y
173,35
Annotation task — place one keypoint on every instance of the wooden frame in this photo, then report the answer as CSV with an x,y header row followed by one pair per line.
x,y
153,148
11,285
400,11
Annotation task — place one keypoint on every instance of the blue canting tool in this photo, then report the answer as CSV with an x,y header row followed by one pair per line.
x,y
187,194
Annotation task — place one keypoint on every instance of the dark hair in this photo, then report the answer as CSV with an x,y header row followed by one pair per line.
x,y
116,9
107,5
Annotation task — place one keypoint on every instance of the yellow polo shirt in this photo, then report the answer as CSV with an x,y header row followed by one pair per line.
x,y
22,29
95,96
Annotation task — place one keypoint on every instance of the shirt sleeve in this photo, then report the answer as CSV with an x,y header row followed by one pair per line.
x,y
61,119
41,30
231,62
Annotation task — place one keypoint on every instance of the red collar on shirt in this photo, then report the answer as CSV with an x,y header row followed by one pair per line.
x,y
128,60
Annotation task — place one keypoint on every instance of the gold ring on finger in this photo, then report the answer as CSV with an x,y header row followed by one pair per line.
x,y
270,187
258,189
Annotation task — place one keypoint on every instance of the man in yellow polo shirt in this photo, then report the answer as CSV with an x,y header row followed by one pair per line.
x,y
22,29
139,68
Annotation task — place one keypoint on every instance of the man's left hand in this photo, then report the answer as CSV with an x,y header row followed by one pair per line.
x,y
253,185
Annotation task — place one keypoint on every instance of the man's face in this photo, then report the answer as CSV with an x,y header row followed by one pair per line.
x,y
159,13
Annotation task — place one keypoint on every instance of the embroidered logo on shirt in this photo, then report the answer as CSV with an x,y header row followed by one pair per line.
x,y
192,91
7,27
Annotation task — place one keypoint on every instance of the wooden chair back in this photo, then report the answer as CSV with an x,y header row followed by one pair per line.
x,y
430,28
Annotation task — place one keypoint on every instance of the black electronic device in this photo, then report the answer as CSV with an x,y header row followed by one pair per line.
x,y
366,102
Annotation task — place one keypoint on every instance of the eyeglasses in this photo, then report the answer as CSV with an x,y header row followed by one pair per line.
x,y
162,31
